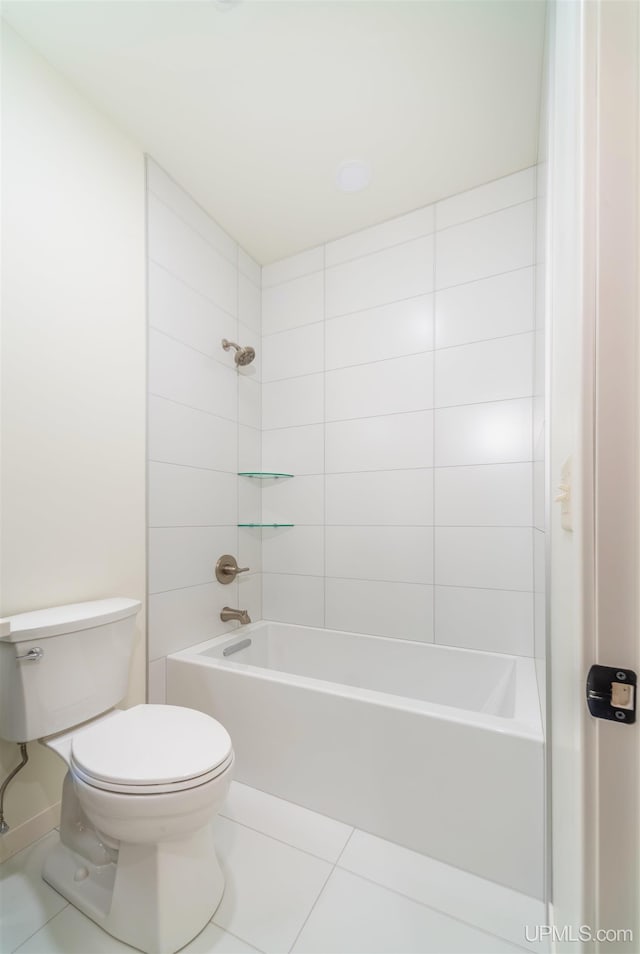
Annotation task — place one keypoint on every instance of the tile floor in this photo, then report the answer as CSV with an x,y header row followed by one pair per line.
x,y
296,881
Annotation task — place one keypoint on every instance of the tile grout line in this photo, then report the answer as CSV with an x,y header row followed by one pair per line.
x,y
42,926
196,291
193,228
312,909
324,432
375,417
399,357
281,841
395,301
359,579
430,907
414,238
433,428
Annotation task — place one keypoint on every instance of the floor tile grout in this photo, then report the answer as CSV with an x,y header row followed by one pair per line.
x,y
312,909
281,841
42,926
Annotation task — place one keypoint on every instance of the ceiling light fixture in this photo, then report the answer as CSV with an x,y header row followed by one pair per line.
x,y
353,175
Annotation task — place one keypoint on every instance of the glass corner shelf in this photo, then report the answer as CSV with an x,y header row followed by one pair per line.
x,y
266,524
261,474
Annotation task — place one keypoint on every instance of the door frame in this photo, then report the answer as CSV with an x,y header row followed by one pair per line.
x,y
592,297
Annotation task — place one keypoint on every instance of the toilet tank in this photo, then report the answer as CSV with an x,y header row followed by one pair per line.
x,y
80,669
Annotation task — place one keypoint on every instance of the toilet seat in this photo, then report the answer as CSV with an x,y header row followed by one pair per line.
x,y
151,749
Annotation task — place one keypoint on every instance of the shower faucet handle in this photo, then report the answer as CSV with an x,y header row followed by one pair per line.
x,y
227,568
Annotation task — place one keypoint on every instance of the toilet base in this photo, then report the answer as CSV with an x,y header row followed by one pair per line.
x,y
155,897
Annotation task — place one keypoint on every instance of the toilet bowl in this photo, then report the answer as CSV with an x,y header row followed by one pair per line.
x,y
143,787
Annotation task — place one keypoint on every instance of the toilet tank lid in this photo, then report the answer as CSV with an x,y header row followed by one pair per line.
x,y
56,620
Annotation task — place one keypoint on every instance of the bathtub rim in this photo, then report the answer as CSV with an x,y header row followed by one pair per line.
x,y
526,722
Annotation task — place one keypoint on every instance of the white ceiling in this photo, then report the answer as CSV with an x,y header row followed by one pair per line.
x,y
252,105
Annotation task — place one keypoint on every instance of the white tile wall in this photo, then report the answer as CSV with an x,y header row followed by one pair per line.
x,y
484,371
293,303
398,441
204,420
379,497
489,308
402,271
486,246
401,610
490,557
491,433
395,231
394,554
383,387
389,331
406,415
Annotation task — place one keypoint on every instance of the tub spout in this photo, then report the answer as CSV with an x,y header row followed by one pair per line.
x,y
240,614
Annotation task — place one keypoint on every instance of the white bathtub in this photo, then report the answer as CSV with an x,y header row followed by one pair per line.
x,y
435,748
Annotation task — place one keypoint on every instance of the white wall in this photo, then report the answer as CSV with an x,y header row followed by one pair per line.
x,y
73,384
204,424
397,386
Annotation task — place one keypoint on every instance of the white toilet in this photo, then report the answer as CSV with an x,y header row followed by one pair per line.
x,y
136,850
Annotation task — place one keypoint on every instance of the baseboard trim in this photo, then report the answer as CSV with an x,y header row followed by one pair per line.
x,y
25,834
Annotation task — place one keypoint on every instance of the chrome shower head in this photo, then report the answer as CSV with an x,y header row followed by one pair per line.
x,y
243,356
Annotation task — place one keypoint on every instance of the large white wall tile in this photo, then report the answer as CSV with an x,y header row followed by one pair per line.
x,y
295,266
249,267
488,308
293,401
493,495
403,271
292,304
384,387
393,497
184,252
395,554
393,442
183,435
181,618
190,496
186,556
186,315
293,599
389,331
299,501
402,610
490,557
497,621
173,195
249,448
250,590
296,352
499,194
190,377
401,229
294,450
249,500
485,371
492,433
249,304
486,246
249,401
293,550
